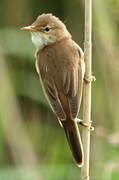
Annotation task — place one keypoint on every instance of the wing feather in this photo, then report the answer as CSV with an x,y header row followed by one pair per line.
x,y
52,96
73,85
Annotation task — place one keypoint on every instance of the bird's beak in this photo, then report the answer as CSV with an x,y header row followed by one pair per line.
x,y
28,28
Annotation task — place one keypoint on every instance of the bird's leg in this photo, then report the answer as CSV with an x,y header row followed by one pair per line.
x,y
85,124
89,79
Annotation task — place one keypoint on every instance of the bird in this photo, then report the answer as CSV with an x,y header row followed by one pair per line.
x,y
61,69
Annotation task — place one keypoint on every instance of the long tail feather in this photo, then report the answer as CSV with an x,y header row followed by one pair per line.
x,y
74,140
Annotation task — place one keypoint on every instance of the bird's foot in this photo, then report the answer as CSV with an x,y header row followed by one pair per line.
x,y
91,128
89,79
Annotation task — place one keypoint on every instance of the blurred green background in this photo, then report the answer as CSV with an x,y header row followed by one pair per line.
x,y
32,144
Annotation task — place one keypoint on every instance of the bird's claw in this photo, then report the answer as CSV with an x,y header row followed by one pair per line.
x,y
91,128
89,79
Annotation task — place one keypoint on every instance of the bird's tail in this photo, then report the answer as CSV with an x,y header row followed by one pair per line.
x,y
74,140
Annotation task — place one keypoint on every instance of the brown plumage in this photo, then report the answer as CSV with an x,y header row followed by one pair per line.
x,y
61,68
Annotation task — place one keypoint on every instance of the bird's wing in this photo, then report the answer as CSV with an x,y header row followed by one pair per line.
x,y
73,85
52,96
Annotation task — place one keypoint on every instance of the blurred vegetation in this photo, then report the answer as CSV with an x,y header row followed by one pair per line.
x,y
32,144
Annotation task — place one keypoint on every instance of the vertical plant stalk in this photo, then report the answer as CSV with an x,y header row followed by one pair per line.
x,y
87,89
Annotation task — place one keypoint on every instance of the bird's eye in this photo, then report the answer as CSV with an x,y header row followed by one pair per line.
x,y
47,29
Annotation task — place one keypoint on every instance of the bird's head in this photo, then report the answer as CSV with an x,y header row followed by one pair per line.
x,y
47,29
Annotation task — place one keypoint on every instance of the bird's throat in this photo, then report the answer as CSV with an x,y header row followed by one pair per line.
x,y
38,40
41,40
